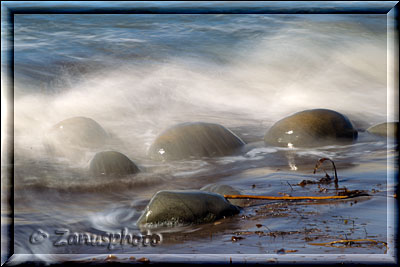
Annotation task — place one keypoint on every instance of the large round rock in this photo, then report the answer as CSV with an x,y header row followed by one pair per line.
x,y
171,208
384,129
79,132
194,140
309,128
112,163
224,189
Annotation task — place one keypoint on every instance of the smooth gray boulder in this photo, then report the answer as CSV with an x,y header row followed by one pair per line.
x,y
224,189
79,132
384,129
112,163
309,128
194,140
180,207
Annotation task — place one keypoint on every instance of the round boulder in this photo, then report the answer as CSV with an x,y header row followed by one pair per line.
x,y
180,207
224,189
79,132
384,129
315,127
112,163
194,140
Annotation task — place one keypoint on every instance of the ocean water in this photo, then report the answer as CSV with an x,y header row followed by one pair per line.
x,y
138,74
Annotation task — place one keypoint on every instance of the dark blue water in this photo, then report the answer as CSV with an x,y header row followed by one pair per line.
x,y
138,74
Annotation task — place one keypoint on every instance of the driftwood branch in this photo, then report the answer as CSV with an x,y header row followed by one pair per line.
x,y
319,163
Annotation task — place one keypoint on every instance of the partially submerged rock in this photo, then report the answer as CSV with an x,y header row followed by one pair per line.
x,y
315,127
72,137
194,140
384,129
224,189
112,163
170,208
